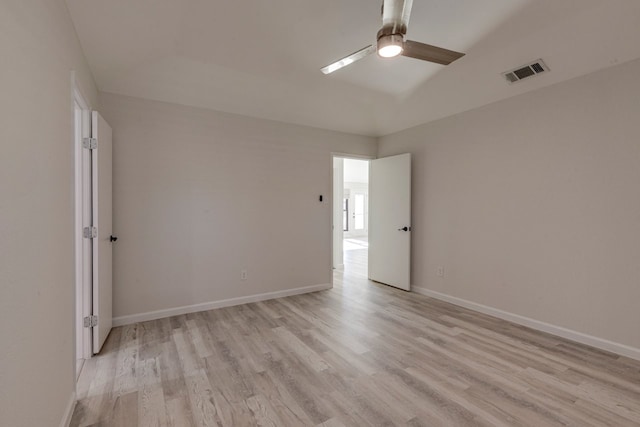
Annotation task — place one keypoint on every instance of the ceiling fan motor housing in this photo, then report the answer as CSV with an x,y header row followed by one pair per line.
x,y
392,30
391,35
389,41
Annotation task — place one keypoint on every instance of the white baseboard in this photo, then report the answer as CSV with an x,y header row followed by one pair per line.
x,y
68,412
614,347
168,312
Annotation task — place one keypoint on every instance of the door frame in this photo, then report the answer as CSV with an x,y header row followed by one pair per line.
x,y
81,128
340,155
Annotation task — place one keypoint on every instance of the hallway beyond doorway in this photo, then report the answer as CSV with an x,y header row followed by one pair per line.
x,y
356,255
355,243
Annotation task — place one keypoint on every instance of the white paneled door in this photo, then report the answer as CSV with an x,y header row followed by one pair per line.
x,y
101,177
390,220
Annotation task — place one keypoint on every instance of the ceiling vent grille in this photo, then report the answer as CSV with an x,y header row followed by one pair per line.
x,y
526,71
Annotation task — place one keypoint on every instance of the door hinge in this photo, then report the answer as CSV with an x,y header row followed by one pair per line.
x,y
90,232
90,321
90,143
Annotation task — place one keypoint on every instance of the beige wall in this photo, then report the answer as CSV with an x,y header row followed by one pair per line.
x,y
532,205
200,195
38,47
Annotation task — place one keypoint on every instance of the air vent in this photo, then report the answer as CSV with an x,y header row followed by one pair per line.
x,y
526,71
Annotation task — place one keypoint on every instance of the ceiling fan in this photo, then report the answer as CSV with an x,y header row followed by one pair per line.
x,y
391,42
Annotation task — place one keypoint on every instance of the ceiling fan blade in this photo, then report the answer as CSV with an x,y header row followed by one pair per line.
x,y
426,52
349,59
395,14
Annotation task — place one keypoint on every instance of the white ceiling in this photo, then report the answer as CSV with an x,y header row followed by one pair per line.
x,y
263,58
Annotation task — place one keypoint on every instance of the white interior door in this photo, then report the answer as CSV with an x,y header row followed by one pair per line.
x,y
101,178
390,220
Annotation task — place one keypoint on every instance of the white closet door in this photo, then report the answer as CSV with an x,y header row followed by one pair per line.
x,y
101,159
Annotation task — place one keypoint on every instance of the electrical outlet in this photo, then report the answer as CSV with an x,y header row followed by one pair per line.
x,y
243,274
440,271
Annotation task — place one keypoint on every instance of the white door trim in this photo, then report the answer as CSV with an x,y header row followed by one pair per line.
x,y
82,199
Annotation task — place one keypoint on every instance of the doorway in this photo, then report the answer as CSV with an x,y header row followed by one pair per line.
x,y
371,227
351,216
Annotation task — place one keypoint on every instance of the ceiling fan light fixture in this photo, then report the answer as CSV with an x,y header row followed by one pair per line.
x,y
390,40
390,45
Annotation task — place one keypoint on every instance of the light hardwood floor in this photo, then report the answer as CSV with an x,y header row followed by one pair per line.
x,y
358,354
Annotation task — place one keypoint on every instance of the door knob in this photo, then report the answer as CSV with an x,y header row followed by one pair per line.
x,y
404,229
112,238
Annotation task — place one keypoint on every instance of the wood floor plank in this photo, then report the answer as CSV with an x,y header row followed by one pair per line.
x,y
263,412
179,412
201,400
287,409
359,354
151,403
125,410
